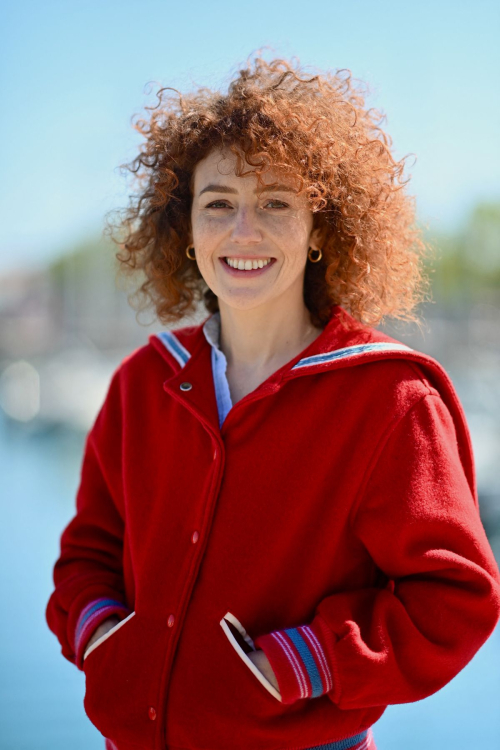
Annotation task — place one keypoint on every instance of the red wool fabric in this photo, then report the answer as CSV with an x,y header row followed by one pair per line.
x,y
333,520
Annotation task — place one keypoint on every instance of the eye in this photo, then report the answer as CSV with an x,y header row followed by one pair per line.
x,y
214,204
281,204
224,204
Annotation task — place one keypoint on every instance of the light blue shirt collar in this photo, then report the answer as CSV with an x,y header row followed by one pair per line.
x,y
211,329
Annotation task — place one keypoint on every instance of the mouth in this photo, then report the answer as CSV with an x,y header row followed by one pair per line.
x,y
239,267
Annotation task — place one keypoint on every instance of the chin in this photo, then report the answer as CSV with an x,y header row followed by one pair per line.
x,y
243,302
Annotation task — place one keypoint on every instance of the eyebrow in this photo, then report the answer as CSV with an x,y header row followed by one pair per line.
x,y
227,189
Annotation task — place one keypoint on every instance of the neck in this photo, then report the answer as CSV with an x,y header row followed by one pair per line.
x,y
274,333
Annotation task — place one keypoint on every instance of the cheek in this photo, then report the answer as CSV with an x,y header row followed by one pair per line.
x,y
207,223
207,233
292,237
294,227
206,240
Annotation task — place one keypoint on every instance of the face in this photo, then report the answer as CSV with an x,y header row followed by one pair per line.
x,y
235,229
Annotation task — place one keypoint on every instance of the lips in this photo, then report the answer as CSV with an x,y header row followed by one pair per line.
x,y
237,273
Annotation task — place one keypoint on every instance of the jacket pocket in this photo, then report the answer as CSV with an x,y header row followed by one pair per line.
x,y
243,645
106,635
123,672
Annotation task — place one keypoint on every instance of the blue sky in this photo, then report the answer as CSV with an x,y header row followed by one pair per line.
x,y
72,74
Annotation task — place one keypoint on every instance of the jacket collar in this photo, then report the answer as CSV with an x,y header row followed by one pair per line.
x,y
188,353
335,345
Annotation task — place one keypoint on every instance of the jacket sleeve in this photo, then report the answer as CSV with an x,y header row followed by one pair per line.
x,y
418,519
88,575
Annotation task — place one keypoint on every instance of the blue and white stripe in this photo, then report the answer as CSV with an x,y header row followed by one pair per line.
x,y
361,741
174,346
308,660
349,351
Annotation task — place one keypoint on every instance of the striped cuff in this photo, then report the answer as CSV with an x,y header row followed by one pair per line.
x,y
90,618
299,660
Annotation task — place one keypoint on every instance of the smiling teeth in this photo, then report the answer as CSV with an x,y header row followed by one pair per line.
x,y
247,265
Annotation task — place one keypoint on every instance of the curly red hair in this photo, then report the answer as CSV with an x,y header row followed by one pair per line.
x,y
316,129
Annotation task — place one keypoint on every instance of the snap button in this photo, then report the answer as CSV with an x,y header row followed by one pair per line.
x,y
185,386
170,621
152,713
195,537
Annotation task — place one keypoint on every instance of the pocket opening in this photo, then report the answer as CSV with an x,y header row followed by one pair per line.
x,y
228,619
110,632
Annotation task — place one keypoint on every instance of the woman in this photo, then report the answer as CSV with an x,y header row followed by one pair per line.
x,y
277,530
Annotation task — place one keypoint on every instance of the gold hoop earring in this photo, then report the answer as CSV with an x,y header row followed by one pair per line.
x,y
314,260
191,257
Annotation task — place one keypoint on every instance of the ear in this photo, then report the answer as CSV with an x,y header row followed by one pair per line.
x,y
316,239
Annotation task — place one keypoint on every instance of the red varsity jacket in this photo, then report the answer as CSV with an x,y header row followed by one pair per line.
x,y
332,521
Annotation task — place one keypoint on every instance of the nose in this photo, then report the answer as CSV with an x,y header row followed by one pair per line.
x,y
245,230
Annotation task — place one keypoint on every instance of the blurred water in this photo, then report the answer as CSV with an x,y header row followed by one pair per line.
x,y
41,693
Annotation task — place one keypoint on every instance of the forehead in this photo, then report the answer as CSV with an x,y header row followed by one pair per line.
x,y
219,166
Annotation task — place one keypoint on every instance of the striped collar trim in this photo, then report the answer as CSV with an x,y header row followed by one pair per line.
x,y
349,351
174,346
181,354
211,329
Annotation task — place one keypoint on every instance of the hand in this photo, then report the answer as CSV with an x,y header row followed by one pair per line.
x,y
262,663
101,630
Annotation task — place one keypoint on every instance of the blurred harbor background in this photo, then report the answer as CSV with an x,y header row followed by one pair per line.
x,y
72,78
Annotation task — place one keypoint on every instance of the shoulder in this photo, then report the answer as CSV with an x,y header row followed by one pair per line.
x,y
162,353
395,374
409,387
144,359
420,395
402,379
